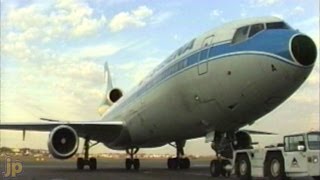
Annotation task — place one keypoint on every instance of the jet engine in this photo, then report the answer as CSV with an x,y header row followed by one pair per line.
x,y
243,139
63,142
114,95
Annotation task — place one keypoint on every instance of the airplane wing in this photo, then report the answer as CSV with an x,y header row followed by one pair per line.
x,y
253,132
97,130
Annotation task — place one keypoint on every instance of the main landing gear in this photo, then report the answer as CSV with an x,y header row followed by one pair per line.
x,y
132,161
92,162
179,161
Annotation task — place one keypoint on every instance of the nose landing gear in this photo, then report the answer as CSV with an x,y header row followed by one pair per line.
x,y
221,165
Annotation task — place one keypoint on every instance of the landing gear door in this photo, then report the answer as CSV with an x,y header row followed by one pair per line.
x,y
203,63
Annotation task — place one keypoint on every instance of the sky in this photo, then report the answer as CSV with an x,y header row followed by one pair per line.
x,y
53,52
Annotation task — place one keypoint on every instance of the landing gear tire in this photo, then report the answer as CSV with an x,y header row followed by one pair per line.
x,y
316,177
243,167
184,163
128,163
172,163
136,164
215,168
275,167
225,172
80,163
175,163
93,163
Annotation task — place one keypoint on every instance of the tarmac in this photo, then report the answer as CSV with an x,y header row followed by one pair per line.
x,y
111,169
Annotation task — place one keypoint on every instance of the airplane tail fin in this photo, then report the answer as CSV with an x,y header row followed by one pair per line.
x,y
107,77
109,86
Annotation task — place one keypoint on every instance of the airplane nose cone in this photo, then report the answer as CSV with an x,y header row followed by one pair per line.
x,y
303,50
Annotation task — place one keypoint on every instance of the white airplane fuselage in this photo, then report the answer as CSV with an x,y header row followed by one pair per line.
x,y
213,83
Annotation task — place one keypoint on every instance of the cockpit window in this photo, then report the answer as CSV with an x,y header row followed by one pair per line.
x,y
277,25
240,35
255,29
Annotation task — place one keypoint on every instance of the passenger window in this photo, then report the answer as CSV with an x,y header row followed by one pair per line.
x,y
211,52
193,59
240,35
255,29
203,54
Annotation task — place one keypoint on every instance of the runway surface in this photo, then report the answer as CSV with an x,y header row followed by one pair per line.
x,y
112,169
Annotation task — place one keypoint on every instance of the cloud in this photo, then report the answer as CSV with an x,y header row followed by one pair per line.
x,y
17,50
308,22
135,18
216,13
264,3
160,17
27,30
95,51
297,10
278,15
68,18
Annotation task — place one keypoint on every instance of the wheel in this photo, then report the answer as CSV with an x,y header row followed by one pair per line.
x,y
275,167
184,163
224,172
136,164
93,163
316,177
215,168
80,163
128,164
169,163
172,163
243,167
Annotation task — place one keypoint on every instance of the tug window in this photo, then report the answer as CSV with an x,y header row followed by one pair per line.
x,y
240,35
255,29
292,142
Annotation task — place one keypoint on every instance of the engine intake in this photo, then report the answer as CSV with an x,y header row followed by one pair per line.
x,y
303,50
63,142
114,95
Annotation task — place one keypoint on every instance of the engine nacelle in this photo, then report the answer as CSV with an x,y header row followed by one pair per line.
x,y
63,142
244,140
114,95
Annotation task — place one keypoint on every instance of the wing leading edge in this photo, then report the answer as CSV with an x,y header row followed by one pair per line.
x,y
97,130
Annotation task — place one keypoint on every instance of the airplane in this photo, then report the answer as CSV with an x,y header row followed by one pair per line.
x,y
211,87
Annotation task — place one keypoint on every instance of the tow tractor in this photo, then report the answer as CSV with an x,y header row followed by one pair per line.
x,y
297,156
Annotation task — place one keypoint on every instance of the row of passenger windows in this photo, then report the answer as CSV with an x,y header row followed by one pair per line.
x,y
242,33
187,62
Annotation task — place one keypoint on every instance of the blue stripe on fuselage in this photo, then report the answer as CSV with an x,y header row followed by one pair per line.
x,y
269,41
274,43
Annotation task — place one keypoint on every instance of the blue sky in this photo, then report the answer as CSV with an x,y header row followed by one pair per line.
x,y
52,54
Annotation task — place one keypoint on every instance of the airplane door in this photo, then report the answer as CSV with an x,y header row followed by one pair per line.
x,y
203,63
